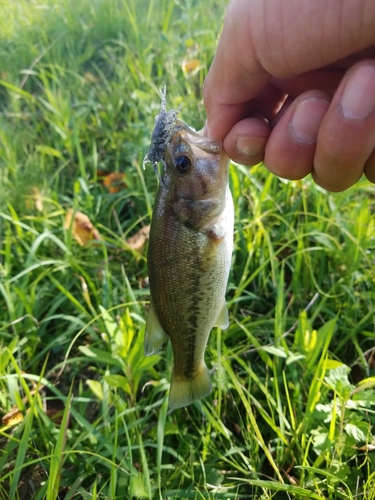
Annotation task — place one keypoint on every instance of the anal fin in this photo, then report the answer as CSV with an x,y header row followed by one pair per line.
x,y
155,335
222,320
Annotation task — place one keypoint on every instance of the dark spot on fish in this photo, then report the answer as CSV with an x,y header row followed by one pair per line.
x,y
196,296
194,320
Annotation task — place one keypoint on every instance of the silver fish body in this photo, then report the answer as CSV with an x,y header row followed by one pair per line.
x,y
189,258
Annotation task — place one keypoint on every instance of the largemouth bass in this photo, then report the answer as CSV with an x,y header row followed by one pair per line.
x,y
189,251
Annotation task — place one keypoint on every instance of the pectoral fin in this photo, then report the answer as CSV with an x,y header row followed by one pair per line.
x,y
155,335
222,321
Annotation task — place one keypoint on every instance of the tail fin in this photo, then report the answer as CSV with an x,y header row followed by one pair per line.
x,y
184,391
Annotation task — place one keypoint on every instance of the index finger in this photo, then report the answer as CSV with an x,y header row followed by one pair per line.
x,y
235,76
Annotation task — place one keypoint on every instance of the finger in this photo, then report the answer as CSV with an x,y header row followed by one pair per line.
x,y
246,141
222,115
290,149
346,137
235,76
370,167
243,117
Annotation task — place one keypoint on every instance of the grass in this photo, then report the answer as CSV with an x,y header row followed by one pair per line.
x,y
292,412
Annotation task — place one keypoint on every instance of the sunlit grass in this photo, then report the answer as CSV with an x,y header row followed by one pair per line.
x,y
292,411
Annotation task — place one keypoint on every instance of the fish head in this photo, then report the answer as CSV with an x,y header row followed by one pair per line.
x,y
196,177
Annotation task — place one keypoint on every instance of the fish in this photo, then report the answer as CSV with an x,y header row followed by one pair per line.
x,y
189,252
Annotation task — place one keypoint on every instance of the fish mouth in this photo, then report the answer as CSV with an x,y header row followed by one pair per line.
x,y
197,140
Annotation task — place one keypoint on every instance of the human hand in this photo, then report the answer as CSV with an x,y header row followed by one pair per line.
x,y
293,85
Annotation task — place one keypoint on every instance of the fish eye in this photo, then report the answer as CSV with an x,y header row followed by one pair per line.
x,y
183,164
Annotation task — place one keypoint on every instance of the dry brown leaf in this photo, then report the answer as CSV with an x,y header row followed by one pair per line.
x,y
34,199
53,410
83,230
191,66
138,241
101,173
89,77
13,417
114,182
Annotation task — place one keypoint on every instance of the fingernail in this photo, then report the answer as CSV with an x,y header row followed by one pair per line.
x,y
307,118
358,99
250,146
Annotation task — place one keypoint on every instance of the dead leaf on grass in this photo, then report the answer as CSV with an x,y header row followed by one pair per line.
x,y
53,409
191,67
83,230
90,78
34,200
13,417
114,182
138,241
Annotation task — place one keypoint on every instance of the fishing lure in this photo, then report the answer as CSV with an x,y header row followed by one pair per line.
x,y
162,134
